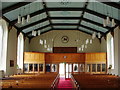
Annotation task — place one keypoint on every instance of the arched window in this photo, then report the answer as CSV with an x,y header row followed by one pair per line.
x,y
20,51
3,44
110,51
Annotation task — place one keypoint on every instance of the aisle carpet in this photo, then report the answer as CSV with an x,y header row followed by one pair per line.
x,y
65,84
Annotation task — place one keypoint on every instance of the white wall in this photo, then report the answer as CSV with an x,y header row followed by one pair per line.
x,y
56,35
12,51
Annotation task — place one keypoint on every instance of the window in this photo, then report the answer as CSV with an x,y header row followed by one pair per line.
x,y
110,50
3,44
20,51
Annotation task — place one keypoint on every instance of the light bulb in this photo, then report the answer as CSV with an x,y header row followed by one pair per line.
x,y
28,18
19,19
94,35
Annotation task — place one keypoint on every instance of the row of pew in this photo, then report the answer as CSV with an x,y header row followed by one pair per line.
x,y
28,81
85,81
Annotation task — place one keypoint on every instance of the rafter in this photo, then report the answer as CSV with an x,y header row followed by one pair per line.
x,y
15,6
48,16
64,24
65,9
32,24
86,4
32,15
38,29
61,18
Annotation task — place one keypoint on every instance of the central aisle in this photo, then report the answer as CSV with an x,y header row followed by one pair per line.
x,y
65,84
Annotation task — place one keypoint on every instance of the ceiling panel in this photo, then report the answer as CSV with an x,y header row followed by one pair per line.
x,y
36,26
65,21
33,19
62,27
104,9
93,18
25,10
45,29
65,13
65,4
86,30
94,26
7,4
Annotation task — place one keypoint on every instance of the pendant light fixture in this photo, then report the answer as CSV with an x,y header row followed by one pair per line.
x,y
99,35
104,23
79,48
113,23
90,41
94,35
39,32
108,20
23,20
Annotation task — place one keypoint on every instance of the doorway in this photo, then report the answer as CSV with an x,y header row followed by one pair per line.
x,y
62,69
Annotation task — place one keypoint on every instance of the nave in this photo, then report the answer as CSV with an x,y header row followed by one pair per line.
x,y
60,44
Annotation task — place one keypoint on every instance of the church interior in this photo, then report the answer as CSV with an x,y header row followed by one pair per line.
x,y
60,44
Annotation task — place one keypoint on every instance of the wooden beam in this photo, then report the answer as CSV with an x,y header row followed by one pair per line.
x,y
37,29
31,15
61,18
64,9
64,24
32,24
48,16
85,6
94,30
15,6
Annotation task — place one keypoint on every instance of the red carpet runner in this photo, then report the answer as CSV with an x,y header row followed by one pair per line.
x,y
65,84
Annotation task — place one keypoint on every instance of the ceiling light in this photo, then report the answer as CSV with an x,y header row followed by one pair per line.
x,y
90,41
28,18
93,35
38,32
45,46
23,20
104,23
79,49
99,35
108,20
113,23
19,19
45,41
